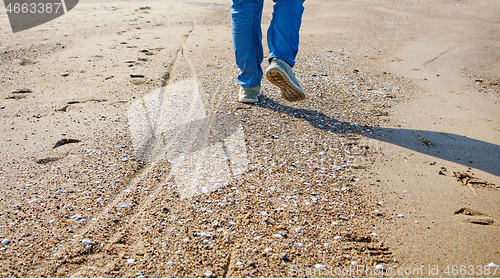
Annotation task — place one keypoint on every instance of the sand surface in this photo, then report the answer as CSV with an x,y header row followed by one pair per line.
x,y
123,151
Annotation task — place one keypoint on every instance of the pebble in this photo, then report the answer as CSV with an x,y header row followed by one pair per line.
x,y
278,236
239,263
401,215
300,245
267,250
335,224
379,267
322,153
298,230
208,273
5,241
130,261
378,212
337,238
52,222
86,241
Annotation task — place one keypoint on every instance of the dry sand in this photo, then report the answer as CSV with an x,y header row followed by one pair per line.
x,y
400,96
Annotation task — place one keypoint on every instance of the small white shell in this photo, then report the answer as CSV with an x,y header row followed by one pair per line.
x,y
86,241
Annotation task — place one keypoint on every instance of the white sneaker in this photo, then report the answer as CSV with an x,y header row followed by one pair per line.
x,y
280,74
249,95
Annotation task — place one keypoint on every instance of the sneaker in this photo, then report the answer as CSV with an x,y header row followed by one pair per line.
x,y
249,95
280,74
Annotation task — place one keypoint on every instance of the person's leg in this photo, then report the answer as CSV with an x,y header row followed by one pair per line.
x,y
283,41
247,40
283,33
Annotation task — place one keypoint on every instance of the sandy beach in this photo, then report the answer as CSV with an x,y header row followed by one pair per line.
x,y
124,151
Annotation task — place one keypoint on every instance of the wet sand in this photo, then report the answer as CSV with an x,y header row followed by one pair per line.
x,y
360,175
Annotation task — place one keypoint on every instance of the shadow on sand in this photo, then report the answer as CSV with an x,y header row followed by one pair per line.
x,y
455,148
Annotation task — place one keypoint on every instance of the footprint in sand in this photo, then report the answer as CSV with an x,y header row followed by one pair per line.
x,y
474,216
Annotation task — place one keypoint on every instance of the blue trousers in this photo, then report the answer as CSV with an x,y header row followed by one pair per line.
x,y
282,36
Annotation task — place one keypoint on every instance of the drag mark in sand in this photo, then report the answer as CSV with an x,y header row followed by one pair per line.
x,y
436,57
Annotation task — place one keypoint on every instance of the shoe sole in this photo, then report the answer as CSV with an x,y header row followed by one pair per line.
x,y
289,91
248,101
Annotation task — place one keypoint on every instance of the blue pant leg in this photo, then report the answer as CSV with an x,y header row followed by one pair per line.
x,y
283,33
246,30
